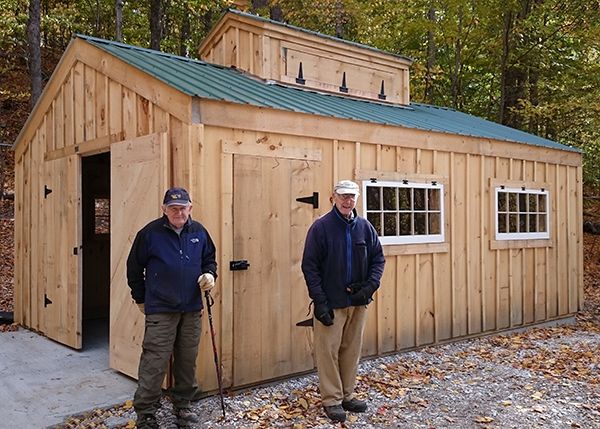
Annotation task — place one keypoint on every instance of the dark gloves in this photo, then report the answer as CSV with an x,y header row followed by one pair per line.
x,y
361,292
323,314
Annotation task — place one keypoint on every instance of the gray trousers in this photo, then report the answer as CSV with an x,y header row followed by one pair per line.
x,y
166,333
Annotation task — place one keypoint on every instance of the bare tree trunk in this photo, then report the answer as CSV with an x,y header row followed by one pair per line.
x,y
184,35
155,26
504,64
339,19
431,56
35,55
119,20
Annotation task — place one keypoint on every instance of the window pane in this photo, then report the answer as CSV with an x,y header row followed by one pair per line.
x,y
513,222
512,202
522,222
533,202
434,199
375,219
434,223
405,224
542,224
419,199
420,224
522,202
502,197
404,195
542,203
101,216
389,224
502,226
390,200
533,223
373,198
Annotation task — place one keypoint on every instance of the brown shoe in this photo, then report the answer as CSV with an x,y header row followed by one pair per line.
x,y
335,412
355,405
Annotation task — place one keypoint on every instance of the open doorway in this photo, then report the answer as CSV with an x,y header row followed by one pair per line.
x,y
95,207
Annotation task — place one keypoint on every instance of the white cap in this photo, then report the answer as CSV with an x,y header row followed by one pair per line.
x,y
346,187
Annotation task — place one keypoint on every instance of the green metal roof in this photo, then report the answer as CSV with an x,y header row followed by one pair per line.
x,y
210,81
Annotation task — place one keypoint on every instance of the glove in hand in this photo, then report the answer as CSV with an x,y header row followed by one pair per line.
x,y
206,282
323,314
360,293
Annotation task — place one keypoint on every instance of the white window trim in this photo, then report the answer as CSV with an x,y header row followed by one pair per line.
x,y
408,239
521,235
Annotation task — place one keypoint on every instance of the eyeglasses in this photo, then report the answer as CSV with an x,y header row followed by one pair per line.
x,y
345,197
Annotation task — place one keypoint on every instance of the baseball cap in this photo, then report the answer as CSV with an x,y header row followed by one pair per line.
x,y
176,196
346,187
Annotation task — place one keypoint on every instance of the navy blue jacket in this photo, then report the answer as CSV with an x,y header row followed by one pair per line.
x,y
339,252
163,267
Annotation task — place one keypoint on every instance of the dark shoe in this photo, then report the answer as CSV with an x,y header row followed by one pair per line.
x,y
146,421
186,417
335,413
354,405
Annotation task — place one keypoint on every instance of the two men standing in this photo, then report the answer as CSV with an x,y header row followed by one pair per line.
x,y
172,260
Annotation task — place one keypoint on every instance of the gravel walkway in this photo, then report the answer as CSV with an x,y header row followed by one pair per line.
x,y
542,378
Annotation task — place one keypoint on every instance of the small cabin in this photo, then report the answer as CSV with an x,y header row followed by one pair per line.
x,y
481,224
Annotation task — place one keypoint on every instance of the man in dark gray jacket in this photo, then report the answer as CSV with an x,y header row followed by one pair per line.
x,y
342,264
172,260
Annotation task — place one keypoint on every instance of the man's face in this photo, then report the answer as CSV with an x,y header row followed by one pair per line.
x,y
177,214
345,203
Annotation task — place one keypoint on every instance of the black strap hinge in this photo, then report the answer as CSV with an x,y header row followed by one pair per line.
x,y
314,200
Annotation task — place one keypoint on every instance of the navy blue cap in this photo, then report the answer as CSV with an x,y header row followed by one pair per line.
x,y
178,196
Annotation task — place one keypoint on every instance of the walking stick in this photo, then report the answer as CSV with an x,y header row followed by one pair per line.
x,y
209,303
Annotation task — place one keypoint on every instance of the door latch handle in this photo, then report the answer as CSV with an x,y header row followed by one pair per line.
x,y
239,265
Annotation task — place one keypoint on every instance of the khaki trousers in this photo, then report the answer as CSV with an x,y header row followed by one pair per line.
x,y
337,351
166,333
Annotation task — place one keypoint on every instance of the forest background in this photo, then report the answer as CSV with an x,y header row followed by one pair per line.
x,y
529,64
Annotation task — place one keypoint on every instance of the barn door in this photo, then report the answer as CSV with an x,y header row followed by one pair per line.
x,y
61,306
269,295
138,179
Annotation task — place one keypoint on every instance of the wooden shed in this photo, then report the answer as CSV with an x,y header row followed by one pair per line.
x,y
481,224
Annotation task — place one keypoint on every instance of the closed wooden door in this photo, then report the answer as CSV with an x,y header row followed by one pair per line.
x,y
61,306
270,295
138,180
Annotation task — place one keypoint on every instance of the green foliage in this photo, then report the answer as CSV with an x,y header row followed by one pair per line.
x,y
552,45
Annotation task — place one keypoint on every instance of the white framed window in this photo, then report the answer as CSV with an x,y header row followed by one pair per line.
x,y
405,212
522,214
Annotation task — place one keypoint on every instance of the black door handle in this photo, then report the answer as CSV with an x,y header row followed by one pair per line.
x,y
239,265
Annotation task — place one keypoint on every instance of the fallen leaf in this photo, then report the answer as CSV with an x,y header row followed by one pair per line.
x,y
506,403
484,419
303,403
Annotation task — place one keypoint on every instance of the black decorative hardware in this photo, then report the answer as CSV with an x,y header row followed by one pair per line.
x,y
404,182
239,265
46,300
373,180
522,188
300,79
501,186
433,182
381,94
344,88
313,199
47,191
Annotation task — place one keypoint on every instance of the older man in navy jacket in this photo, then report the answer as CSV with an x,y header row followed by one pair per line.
x,y
172,260
342,264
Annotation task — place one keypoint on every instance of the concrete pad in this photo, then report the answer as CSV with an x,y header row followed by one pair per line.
x,y
42,381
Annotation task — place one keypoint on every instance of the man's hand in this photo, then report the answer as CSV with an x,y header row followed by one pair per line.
x,y
361,293
323,314
141,308
206,282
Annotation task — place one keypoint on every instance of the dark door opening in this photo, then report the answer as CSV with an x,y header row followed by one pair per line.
x,y
95,207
